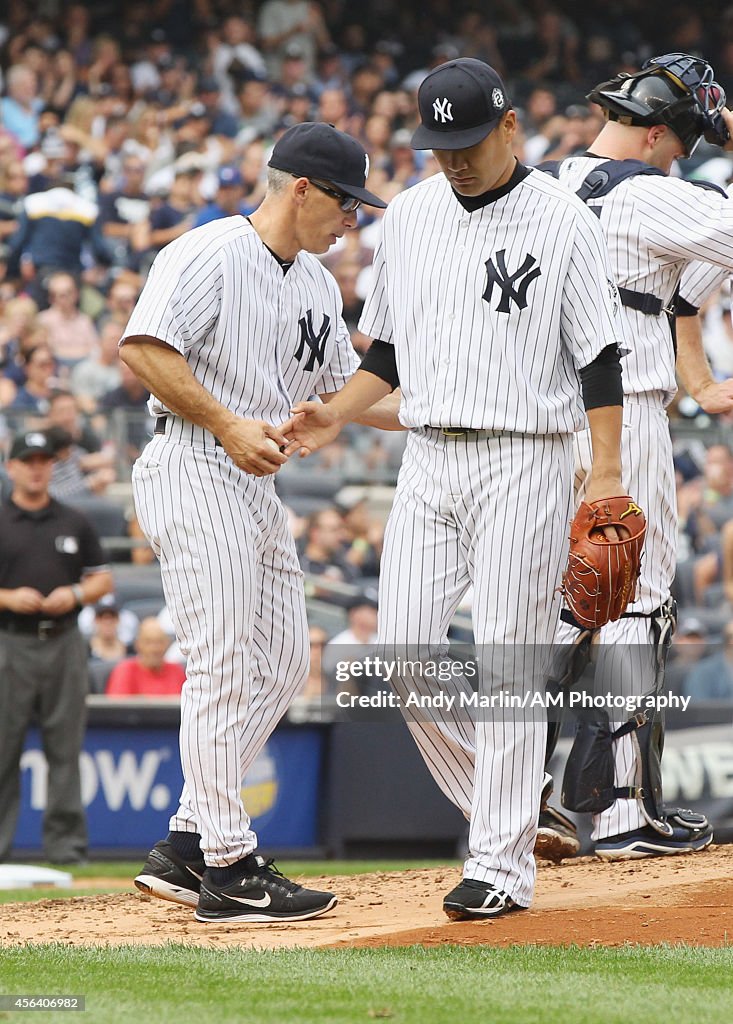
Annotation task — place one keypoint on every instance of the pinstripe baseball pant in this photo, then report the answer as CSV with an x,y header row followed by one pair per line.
x,y
234,589
492,511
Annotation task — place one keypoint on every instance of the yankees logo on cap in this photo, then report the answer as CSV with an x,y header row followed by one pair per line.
x,y
460,103
443,110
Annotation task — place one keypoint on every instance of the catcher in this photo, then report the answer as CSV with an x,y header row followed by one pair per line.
x,y
599,584
655,225
604,566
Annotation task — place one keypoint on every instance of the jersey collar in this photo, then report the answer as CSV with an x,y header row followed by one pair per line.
x,y
472,203
285,265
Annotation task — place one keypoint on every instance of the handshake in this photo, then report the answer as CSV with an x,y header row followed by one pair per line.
x,y
261,449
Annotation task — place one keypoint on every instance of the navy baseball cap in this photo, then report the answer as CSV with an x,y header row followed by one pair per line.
x,y
34,442
318,150
107,605
208,84
229,176
460,103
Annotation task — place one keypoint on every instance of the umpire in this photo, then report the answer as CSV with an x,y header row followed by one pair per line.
x,y
51,564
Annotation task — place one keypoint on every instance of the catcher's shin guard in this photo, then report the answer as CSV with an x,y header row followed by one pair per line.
x,y
569,663
648,738
589,772
588,784
557,836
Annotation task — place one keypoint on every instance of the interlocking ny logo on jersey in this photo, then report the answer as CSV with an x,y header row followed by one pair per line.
x,y
315,342
443,110
513,286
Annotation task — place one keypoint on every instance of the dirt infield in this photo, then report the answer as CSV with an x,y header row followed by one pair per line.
x,y
679,899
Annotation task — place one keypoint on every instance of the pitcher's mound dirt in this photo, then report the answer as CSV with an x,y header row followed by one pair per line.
x,y
676,899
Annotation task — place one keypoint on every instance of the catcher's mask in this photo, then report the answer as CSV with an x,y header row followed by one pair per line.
x,y
676,90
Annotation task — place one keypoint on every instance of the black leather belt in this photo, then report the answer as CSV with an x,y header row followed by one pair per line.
x,y
44,629
160,425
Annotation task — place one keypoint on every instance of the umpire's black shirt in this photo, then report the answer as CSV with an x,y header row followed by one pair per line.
x,y
45,548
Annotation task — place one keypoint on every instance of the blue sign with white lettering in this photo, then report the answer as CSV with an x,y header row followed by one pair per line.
x,y
131,780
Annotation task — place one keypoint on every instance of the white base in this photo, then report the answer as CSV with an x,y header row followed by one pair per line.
x,y
27,876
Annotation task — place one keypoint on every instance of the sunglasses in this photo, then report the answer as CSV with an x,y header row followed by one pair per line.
x,y
346,203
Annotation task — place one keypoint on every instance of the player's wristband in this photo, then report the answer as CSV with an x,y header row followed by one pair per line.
x,y
78,594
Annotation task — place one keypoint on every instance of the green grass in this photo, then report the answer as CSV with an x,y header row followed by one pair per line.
x,y
410,986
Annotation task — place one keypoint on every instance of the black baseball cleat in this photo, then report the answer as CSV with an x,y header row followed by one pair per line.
x,y
690,833
262,894
557,836
167,876
472,900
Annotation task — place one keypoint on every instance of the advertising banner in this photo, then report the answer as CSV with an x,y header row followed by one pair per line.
x,y
131,781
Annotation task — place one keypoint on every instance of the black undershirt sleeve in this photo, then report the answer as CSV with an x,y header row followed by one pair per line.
x,y
381,360
601,380
684,308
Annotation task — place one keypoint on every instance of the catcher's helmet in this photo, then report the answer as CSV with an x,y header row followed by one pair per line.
x,y
677,90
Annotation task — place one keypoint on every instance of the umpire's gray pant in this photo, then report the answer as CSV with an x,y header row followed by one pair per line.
x,y
45,680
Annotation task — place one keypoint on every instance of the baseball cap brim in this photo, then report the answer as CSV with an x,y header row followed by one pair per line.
x,y
360,193
317,150
428,138
47,452
32,443
348,190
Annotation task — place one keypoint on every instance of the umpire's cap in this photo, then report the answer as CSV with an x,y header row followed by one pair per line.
x,y
676,90
460,103
33,442
318,150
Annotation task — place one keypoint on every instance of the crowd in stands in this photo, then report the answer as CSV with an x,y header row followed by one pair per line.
x,y
121,129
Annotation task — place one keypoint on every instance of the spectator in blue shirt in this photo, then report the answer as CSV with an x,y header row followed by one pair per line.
x,y
229,199
223,122
170,218
20,108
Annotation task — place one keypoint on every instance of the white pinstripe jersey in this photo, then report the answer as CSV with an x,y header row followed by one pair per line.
x,y
257,339
700,280
654,226
492,312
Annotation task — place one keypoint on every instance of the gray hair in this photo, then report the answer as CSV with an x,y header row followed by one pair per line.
x,y
277,180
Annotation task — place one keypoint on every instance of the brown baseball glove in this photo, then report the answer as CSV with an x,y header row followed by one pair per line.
x,y
602,574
